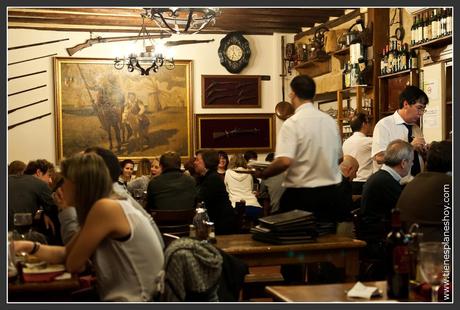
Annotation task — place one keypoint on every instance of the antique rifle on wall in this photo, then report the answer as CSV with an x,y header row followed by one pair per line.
x,y
91,41
234,132
21,61
26,90
27,105
35,44
29,120
24,75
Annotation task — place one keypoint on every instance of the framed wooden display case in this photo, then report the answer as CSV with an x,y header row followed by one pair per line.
x,y
235,132
230,91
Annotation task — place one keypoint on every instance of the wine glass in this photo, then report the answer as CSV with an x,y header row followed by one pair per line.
x,y
23,224
431,265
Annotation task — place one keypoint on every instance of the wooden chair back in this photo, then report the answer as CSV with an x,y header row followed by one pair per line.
x,y
175,222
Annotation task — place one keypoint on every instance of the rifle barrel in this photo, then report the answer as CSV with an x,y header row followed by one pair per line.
x,y
27,105
24,75
21,61
26,90
35,44
29,120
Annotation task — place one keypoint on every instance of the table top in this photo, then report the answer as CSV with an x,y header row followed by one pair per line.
x,y
323,292
244,244
56,285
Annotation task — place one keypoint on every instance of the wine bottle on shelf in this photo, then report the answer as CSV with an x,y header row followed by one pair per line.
x,y
413,61
421,28
382,63
390,59
347,75
434,25
449,21
398,260
413,31
403,58
443,22
429,35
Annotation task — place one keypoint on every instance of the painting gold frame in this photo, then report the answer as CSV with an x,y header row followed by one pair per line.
x,y
153,113
235,132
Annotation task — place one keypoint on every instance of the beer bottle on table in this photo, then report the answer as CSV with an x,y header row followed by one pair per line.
x,y
398,261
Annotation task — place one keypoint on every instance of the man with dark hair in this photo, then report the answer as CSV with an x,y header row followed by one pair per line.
x,y
172,189
250,155
359,146
308,148
31,193
16,167
402,125
422,200
212,191
380,195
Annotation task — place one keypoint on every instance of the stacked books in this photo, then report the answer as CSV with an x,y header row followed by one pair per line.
x,y
296,226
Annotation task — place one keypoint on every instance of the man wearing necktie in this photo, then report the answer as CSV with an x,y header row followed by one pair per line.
x,y
402,125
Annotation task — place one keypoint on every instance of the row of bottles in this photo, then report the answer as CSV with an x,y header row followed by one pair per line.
x,y
396,58
430,25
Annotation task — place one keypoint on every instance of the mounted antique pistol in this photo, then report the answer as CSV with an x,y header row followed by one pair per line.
x,y
234,132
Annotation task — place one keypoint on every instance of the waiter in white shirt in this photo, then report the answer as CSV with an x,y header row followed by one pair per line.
x,y
308,148
359,145
402,125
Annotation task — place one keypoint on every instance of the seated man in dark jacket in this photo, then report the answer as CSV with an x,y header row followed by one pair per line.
x,y
212,191
172,189
380,195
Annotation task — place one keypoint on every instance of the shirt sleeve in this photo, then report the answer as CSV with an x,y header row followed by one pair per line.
x,y
380,139
286,144
69,223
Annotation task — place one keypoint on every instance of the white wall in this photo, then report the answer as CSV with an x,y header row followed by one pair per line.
x,y
37,139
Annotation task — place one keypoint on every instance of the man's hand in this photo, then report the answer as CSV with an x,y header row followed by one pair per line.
x,y
419,145
58,197
49,224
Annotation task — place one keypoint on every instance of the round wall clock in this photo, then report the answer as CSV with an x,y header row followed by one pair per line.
x,y
234,52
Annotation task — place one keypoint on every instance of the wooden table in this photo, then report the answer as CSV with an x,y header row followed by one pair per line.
x,y
341,251
322,293
57,290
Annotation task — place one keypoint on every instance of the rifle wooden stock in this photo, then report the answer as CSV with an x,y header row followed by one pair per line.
x,y
29,120
90,42
27,105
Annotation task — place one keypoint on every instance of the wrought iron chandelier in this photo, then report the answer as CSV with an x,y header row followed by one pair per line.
x,y
182,20
151,58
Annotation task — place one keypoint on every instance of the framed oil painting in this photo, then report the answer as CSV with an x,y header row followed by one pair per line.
x,y
236,132
135,116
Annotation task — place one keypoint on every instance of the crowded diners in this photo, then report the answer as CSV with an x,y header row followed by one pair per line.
x,y
147,197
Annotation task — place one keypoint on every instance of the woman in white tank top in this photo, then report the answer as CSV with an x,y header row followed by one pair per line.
x,y
116,237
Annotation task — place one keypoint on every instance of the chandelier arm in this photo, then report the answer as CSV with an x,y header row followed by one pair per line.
x,y
189,20
167,25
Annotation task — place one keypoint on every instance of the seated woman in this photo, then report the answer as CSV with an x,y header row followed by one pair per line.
x,y
122,245
223,164
239,186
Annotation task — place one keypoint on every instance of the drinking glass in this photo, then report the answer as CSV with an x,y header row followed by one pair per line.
x,y
22,225
431,265
12,270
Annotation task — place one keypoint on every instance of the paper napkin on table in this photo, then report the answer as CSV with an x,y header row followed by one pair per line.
x,y
362,291
64,276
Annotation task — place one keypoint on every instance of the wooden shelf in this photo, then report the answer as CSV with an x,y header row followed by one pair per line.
x,y
396,74
436,43
312,62
315,67
353,88
343,52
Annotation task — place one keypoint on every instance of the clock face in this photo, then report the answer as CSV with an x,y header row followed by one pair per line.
x,y
234,52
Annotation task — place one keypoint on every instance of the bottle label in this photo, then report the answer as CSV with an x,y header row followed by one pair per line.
x,y
401,262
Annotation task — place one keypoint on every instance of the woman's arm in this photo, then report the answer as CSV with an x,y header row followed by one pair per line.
x,y
106,219
49,253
